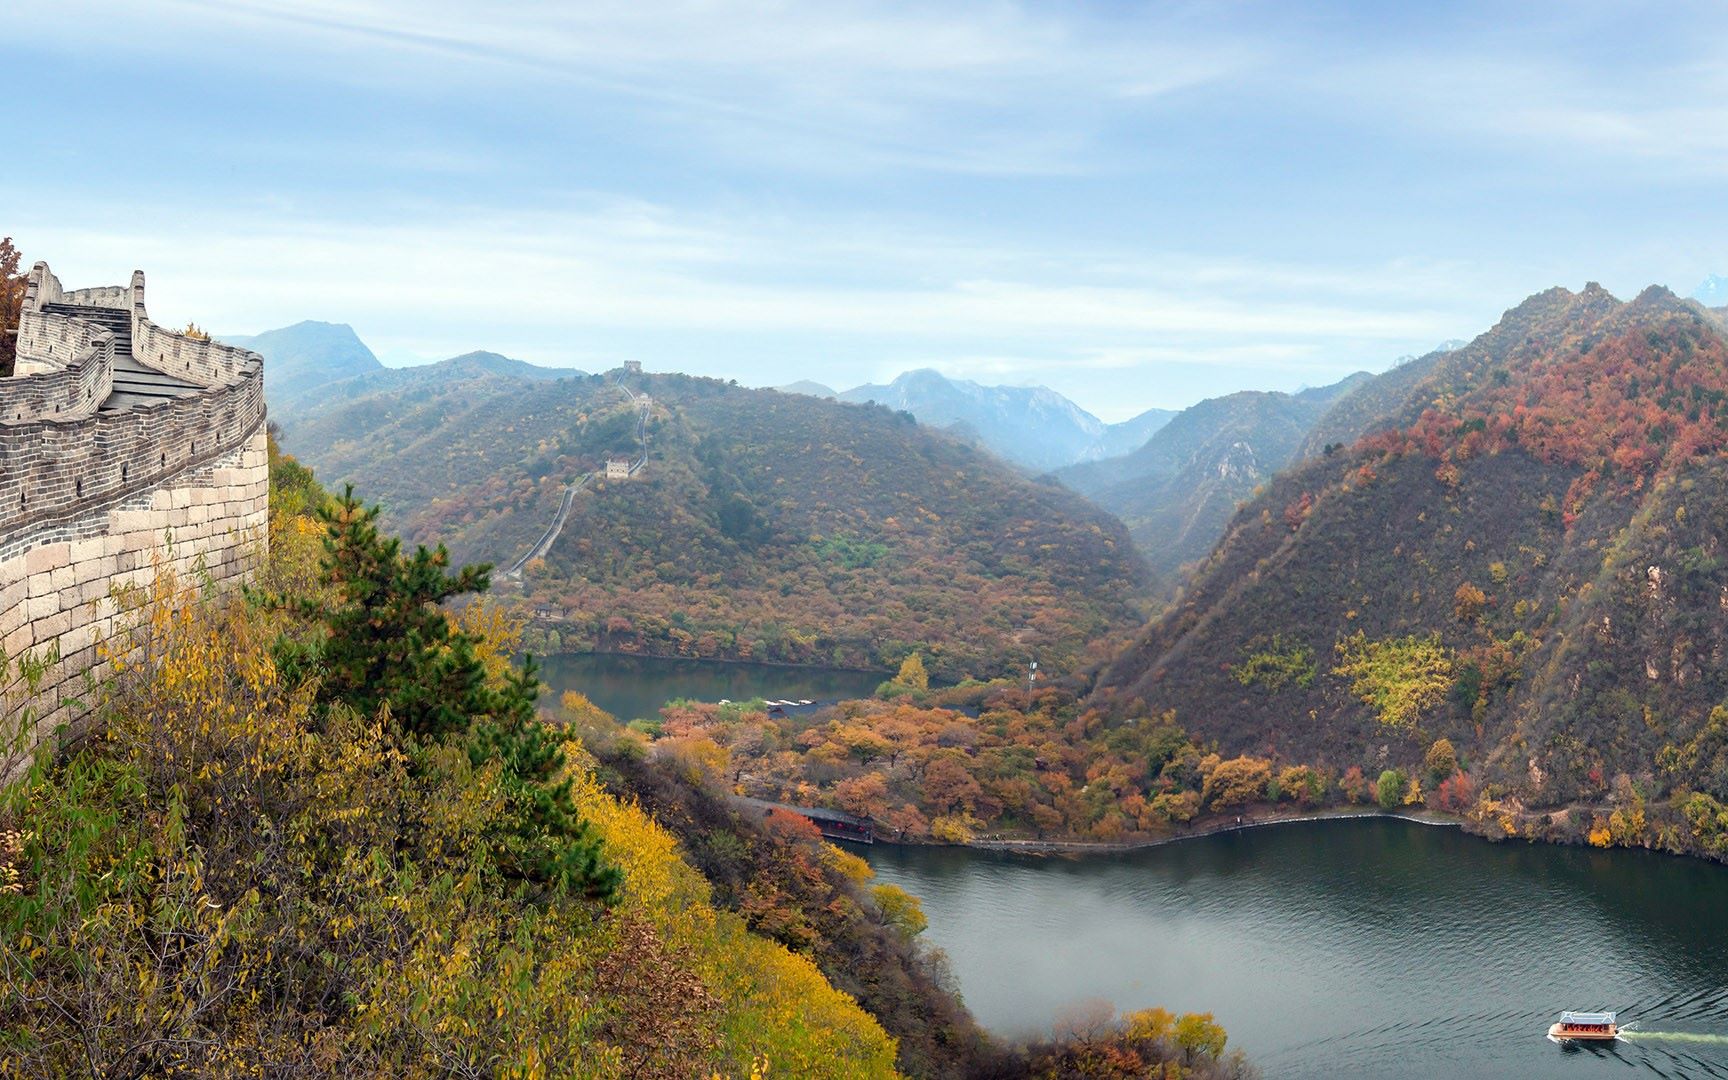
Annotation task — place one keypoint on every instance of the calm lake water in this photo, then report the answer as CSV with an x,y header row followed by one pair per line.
x,y
1363,948
1371,948
632,687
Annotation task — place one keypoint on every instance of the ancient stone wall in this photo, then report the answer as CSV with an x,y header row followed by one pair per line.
x,y
96,500
86,379
53,469
59,598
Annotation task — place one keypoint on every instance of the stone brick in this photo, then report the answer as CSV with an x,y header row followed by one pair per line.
x,y
130,521
46,557
40,607
53,626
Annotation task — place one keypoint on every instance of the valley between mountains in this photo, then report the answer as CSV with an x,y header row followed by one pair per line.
x,y
1487,581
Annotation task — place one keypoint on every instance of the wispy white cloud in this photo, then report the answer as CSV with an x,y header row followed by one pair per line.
x,y
1611,84
626,278
993,87
623,263
1137,203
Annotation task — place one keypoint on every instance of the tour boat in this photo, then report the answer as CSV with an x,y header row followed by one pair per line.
x,y
1585,1027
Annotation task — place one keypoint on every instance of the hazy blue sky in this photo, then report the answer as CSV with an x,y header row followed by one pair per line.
x,y
1136,204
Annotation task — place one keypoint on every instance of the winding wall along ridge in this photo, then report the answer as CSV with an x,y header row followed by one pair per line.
x,y
550,536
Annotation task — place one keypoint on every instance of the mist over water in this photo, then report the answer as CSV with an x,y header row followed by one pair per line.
x,y
1351,948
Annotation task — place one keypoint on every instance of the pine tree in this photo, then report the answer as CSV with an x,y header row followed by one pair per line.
x,y
388,647
547,843
388,642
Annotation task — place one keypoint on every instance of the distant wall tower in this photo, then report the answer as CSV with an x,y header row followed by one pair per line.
x,y
632,367
124,448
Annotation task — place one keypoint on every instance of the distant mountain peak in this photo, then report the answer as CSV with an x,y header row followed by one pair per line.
x,y
1032,426
1712,291
809,388
300,360
482,360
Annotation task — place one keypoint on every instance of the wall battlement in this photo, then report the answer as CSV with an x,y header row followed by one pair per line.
x,y
125,448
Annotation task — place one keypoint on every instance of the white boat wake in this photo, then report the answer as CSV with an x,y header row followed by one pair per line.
x,y
1674,1036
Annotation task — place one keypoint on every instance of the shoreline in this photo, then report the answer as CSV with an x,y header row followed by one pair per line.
x,y
1213,828
715,660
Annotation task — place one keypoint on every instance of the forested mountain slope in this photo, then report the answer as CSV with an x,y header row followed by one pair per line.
x,y
1528,562
764,525
1177,492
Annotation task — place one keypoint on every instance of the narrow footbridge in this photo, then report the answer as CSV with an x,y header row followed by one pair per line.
x,y
833,824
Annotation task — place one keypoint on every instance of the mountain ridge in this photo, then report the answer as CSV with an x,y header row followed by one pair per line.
x,y
1177,492
761,527
1524,556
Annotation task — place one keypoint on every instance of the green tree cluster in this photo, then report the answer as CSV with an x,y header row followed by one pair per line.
x,y
381,643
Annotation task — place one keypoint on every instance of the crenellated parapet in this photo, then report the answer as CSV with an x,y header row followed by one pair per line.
x,y
125,448
77,388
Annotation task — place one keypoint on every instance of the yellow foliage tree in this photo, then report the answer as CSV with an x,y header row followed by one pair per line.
x,y
912,673
1399,677
900,910
499,629
1153,1023
1200,1036
1600,835
1236,782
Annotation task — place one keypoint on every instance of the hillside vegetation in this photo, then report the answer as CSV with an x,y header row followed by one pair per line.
x,y
245,871
1522,555
1178,491
765,525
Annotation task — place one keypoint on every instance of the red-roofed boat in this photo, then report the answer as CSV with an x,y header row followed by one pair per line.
x,y
1585,1027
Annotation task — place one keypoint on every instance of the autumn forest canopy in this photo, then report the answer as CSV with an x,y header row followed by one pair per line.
x,y
764,526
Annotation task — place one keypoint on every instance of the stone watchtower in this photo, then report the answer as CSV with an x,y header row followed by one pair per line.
x,y
124,447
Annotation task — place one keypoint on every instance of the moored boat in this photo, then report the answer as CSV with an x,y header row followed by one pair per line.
x,y
1585,1027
